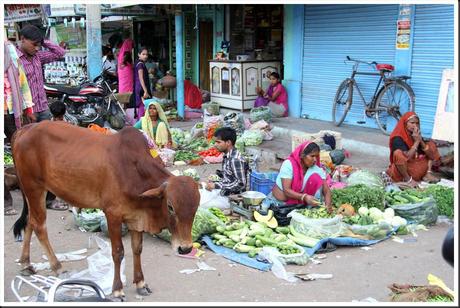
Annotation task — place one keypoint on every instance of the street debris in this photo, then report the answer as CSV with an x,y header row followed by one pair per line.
x,y
202,266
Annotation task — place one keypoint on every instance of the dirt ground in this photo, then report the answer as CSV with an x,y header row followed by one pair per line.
x,y
357,273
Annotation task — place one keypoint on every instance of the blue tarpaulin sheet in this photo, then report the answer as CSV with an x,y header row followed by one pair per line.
x,y
243,258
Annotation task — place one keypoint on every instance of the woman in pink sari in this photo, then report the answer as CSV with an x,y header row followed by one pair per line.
x,y
301,179
125,66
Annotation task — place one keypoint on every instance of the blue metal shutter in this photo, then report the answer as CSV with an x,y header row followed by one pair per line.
x,y
433,51
332,32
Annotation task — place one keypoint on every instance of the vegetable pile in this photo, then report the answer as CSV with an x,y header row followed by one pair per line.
x,y
184,155
7,159
365,177
250,237
359,195
407,196
213,152
316,212
444,197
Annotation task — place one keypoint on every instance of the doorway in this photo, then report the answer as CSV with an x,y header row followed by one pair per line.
x,y
206,42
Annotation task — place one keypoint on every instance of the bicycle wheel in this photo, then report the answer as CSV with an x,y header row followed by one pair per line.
x,y
342,101
393,101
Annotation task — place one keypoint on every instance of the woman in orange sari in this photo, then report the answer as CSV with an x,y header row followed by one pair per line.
x,y
411,157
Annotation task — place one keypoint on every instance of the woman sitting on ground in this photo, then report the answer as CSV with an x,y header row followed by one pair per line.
x,y
411,157
275,98
155,124
301,179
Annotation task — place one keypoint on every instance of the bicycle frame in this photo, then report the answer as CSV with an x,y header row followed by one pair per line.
x,y
355,72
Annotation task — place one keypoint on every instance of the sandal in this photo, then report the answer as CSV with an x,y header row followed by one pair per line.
x,y
430,178
9,211
58,205
327,247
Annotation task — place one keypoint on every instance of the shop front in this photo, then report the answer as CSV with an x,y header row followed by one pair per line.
x,y
417,39
252,49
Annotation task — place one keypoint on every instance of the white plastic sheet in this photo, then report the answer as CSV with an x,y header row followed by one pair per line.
x,y
101,267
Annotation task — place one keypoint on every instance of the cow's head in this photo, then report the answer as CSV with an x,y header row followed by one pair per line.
x,y
180,200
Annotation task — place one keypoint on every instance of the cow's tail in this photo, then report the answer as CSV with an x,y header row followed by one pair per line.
x,y
21,223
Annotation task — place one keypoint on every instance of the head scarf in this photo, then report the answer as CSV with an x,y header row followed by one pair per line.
x,y
297,170
146,122
401,131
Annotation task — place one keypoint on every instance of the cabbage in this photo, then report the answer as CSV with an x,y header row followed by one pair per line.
x,y
365,177
252,137
375,214
363,211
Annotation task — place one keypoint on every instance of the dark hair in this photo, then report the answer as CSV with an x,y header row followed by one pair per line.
x,y
142,49
107,51
127,58
226,134
276,75
32,33
57,109
312,147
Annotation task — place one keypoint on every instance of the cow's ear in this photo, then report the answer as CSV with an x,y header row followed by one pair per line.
x,y
154,192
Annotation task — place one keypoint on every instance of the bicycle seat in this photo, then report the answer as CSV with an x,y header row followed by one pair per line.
x,y
385,67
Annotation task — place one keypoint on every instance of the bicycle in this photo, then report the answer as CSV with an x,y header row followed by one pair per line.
x,y
390,100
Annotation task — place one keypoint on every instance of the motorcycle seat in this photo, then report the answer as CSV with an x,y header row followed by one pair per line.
x,y
65,89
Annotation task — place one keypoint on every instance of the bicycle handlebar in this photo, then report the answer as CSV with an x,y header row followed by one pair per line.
x,y
360,61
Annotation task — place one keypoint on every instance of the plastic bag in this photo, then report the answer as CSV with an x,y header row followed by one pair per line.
x,y
317,228
197,130
101,267
365,177
425,213
260,113
204,222
373,231
300,258
167,156
105,227
235,121
272,255
213,199
89,221
252,137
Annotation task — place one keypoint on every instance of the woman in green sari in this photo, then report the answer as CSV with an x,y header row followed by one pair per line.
x,y
155,124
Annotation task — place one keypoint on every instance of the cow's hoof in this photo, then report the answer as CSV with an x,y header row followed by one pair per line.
x,y
144,291
120,298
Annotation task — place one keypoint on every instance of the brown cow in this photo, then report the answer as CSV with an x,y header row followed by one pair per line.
x,y
115,173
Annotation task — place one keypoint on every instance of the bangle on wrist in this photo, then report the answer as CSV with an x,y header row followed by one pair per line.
x,y
303,197
409,180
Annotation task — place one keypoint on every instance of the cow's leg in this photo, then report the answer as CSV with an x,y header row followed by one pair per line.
x,y
37,222
136,244
25,254
114,226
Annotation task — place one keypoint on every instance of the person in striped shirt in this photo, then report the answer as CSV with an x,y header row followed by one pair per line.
x,y
32,59
233,176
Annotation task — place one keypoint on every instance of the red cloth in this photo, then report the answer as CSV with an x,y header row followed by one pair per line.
x,y
298,175
401,131
192,93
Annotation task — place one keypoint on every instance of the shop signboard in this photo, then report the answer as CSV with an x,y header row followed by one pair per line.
x,y
403,27
22,12
59,10
118,10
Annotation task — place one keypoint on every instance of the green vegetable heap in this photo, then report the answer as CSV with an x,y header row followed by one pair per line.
x,y
7,159
444,197
359,195
319,212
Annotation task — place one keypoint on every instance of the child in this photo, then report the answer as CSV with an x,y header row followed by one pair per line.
x,y
58,109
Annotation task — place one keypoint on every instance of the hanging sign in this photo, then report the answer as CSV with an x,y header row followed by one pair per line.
x,y
22,12
403,27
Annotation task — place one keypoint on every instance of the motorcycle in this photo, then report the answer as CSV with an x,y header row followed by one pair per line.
x,y
91,103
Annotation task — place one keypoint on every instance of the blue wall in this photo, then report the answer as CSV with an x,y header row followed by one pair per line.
x,y
293,44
